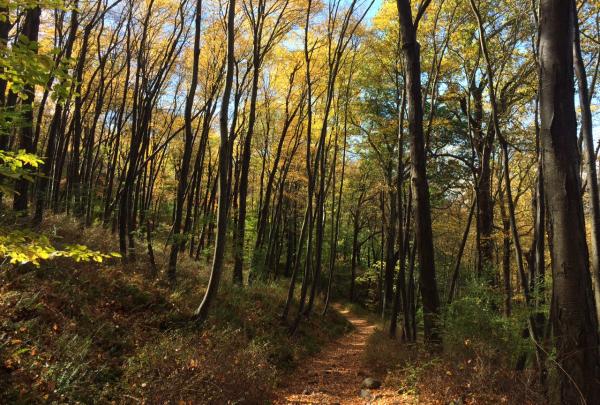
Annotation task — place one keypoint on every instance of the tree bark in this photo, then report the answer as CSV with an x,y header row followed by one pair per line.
x,y
188,146
422,212
55,126
223,167
459,256
590,159
30,33
573,313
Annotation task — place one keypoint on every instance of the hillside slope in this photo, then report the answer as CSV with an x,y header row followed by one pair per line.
x,y
103,332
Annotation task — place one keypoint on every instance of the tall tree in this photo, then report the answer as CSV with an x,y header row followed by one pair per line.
x,y
223,174
590,156
55,127
422,208
188,145
258,16
573,313
28,37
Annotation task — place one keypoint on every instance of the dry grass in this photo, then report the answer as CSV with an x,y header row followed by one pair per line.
x,y
472,377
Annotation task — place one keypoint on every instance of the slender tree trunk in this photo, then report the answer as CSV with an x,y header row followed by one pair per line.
x,y
30,32
238,276
411,312
505,153
336,223
422,212
74,168
482,146
266,200
296,268
461,251
400,296
354,260
5,26
187,150
55,126
307,226
400,293
485,202
390,244
506,257
223,169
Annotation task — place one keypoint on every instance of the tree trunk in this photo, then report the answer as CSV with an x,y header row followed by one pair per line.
x,y
506,257
355,247
182,186
422,212
573,313
55,126
590,159
31,29
461,251
224,161
238,248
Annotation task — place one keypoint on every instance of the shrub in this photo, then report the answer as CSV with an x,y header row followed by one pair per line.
x,y
474,326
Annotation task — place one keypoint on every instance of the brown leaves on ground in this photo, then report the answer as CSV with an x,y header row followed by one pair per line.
x,y
335,375
96,333
411,375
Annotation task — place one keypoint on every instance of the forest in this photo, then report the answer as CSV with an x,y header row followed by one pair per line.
x,y
299,202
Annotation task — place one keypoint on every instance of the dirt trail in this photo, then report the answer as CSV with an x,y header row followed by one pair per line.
x,y
334,375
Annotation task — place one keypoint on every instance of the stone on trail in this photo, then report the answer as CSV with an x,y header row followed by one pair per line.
x,y
366,394
371,383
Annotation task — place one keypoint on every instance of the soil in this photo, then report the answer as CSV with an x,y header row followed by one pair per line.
x,y
336,374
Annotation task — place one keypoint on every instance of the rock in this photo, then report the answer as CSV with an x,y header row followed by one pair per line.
x,y
371,383
366,394
307,391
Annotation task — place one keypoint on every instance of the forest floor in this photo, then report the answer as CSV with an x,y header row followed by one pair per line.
x,y
75,332
409,374
335,375
108,333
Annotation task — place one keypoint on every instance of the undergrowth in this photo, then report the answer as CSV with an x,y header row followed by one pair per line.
x,y
98,333
475,365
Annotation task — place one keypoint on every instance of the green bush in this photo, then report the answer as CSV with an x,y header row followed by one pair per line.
x,y
474,325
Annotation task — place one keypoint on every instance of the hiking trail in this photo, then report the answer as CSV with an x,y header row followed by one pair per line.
x,y
335,375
